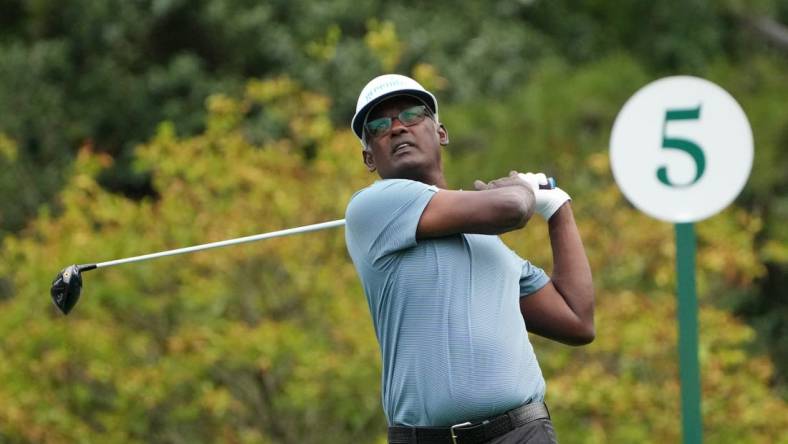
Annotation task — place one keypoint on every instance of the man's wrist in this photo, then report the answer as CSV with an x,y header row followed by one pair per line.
x,y
549,201
561,213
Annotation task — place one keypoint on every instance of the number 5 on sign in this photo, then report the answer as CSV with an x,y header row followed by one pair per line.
x,y
681,149
683,176
685,145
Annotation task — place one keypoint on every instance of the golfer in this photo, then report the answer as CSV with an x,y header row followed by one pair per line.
x,y
450,302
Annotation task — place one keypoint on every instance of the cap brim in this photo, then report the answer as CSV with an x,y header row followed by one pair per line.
x,y
361,115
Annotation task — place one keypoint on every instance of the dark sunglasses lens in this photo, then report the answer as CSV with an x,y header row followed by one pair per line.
x,y
378,126
412,116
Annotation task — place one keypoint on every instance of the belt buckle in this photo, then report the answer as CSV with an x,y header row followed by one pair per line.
x,y
451,430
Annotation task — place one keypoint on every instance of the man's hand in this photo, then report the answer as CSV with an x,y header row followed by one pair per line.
x,y
512,180
548,201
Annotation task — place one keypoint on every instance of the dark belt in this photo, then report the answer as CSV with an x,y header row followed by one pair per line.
x,y
470,433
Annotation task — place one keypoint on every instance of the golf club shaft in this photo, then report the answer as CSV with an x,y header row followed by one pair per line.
x,y
224,243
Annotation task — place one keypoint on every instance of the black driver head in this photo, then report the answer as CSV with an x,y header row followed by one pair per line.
x,y
66,288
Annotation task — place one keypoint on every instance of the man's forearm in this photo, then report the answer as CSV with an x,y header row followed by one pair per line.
x,y
571,270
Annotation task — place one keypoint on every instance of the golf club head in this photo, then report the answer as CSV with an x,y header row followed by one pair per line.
x,y
66,288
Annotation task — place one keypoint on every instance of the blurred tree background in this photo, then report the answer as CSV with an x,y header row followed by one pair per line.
x,y
137,126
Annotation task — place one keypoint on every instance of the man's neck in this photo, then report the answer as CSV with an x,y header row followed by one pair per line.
x,y
434,178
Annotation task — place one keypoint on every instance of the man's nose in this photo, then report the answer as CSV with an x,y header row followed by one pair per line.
x,y
397,127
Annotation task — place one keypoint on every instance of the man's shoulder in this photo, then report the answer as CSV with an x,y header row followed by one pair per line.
x,y
385,199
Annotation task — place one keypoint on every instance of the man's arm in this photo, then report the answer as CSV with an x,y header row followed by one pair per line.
x,y
489,211
563,309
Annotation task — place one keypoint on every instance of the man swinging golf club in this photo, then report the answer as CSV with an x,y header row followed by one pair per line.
x,y
449,301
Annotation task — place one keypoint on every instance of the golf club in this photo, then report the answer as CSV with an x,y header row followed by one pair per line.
x,y
67,285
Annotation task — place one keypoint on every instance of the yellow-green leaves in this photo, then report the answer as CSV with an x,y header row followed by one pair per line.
x,y
272,342
386,46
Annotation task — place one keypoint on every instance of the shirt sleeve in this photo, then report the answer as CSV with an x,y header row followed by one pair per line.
x,y
532,278
383,218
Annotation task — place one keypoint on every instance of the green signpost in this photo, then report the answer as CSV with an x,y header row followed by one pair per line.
x,y
681,150
689,371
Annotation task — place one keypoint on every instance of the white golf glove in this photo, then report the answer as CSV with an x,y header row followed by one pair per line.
x,y
548,201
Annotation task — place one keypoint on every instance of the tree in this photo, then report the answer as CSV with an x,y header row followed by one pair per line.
x,y
272,342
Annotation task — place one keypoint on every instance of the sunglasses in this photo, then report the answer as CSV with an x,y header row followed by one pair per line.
x,y
408,117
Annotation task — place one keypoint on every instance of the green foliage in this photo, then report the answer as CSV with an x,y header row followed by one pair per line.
x,y
759,86
263,343
271,342
105,74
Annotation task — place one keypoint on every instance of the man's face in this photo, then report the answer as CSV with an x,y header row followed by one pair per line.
x,y
407,152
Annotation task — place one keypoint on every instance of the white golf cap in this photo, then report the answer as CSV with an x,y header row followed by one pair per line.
x,y
383,87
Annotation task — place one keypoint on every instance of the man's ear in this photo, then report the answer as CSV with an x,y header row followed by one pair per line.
x,y
369,160
443,135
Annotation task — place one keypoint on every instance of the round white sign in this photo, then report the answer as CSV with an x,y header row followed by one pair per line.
x,y
681,149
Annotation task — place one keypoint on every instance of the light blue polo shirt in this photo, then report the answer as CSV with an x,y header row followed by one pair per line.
x,y
446,311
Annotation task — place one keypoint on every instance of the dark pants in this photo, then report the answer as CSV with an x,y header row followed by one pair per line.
x,y
531,424
539,431
535,432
